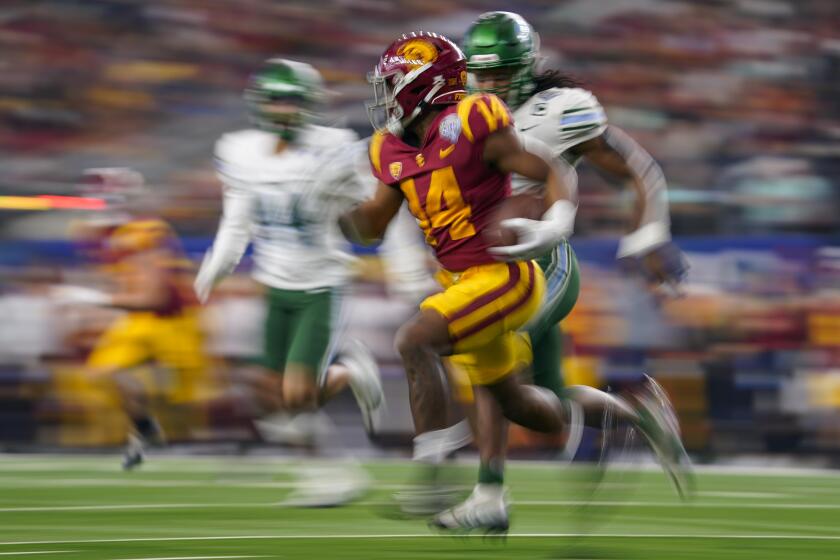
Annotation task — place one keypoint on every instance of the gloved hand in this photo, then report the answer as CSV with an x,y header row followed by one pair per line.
x,y
537,237
649,252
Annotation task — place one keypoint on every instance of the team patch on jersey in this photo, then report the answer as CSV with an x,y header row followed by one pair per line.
x,y
395,169
450,128
421,161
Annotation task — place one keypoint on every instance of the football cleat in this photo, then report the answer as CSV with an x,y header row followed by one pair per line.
x,y
422,502
302,429
486,509
658,423
134,454
365,380
323,487
434,489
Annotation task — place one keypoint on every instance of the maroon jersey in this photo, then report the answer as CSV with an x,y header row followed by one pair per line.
x,y
450,190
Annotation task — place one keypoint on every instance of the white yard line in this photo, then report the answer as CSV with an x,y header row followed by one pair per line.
x,y
756,495
212,463
742,525
675,504
699,536
188,557
533,503
106,507
18,481
17,553
187,464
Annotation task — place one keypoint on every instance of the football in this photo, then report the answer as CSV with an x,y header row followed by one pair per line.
x,y
524,205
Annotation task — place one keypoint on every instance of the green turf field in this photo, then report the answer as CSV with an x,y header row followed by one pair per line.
x,y
202,508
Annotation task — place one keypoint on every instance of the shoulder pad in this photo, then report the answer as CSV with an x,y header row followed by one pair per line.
x,y
582,118
234,147
547,94
235,151
578,98
562,118
481,114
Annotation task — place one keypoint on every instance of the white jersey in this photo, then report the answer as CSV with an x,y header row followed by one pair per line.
x,y
560,118
288,204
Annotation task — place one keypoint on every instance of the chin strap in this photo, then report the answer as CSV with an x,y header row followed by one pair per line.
x,y
404,122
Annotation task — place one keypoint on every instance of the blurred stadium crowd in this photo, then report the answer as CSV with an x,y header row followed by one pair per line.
x,y
737,99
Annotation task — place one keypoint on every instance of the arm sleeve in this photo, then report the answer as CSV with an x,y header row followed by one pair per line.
x,y
233,234
648,173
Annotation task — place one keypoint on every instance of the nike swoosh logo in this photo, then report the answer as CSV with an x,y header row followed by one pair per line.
x,y
528,128
446,151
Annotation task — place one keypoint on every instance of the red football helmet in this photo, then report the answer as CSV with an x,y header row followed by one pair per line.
x,y
415,71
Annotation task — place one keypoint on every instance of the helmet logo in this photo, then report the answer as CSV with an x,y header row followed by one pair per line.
x,y
415,53
396,169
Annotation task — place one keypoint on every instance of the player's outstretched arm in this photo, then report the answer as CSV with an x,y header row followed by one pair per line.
x,y
505,150
367,222
649,242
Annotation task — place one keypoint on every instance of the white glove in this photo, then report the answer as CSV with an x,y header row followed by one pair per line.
x,y
80,295
537,237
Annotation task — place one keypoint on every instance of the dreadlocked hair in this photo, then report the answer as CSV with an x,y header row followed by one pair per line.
x,y
554,79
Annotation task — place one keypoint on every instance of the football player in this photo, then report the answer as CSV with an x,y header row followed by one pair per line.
x,y
450,156
502,52
284,185
156,347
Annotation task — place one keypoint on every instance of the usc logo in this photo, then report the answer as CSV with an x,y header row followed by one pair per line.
x,y
417,52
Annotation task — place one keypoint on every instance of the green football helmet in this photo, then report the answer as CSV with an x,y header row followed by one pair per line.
x,y
505,45
283,96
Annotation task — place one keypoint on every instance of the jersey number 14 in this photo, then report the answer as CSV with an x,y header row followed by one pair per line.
x,y
445,207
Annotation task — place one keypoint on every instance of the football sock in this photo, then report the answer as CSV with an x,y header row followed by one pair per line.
x,y
547,349
433,447
491,472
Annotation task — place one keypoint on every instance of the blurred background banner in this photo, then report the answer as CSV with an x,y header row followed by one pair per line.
x,y
737,100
